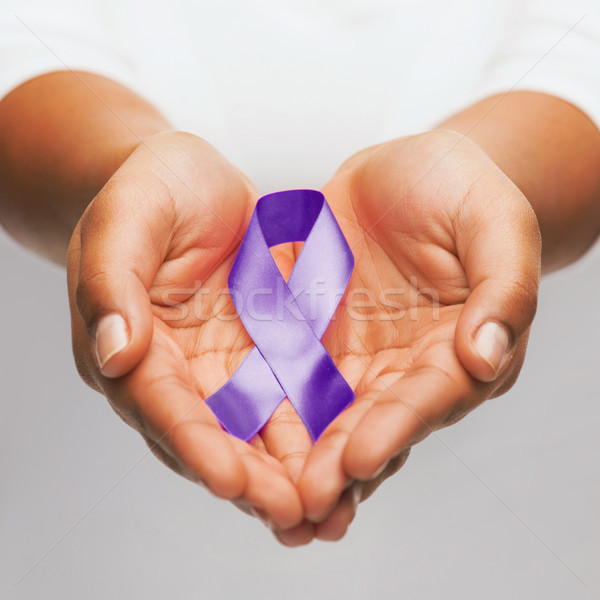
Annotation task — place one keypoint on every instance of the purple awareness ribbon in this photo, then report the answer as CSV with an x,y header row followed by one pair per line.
x,y
287,320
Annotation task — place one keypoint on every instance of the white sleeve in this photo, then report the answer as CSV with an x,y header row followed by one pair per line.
x,y
38,36
550,46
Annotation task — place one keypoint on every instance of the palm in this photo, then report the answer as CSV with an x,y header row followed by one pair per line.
x,y
196,324
197,345
408,286
416,222
198,327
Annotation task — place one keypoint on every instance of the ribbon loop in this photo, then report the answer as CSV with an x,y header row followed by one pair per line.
x,y
286,320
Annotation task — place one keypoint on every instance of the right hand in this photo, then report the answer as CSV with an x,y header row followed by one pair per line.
x,y
153,326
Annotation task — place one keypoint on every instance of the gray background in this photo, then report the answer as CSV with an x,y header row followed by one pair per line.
x,y
503,505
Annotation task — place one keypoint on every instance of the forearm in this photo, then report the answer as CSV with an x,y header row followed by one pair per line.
x,y
62,136
551,151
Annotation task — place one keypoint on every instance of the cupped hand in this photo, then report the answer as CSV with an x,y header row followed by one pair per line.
x,y
437,314
153,325
444,243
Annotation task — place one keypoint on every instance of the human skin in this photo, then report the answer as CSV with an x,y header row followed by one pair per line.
x,y
450,209
154,212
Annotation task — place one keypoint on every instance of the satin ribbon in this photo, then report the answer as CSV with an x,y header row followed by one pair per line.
x,y
287,320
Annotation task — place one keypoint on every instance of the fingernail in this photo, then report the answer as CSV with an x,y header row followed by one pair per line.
x,y
491,341
111,338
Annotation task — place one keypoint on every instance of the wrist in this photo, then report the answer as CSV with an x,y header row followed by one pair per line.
x,y
63,136
551,151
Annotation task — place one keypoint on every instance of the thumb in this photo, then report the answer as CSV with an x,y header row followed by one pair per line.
x,y
119,246
499,248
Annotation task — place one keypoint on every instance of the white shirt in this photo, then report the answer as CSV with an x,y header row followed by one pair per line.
x,y
289,90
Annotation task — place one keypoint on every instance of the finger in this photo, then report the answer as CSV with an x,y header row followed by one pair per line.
x,y
391,468
158,399
263,517
302,534
233,471
499,246
335,526
122,243
175,416
268,489
323,478
435,392
285,438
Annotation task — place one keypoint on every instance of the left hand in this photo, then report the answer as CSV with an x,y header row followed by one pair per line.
x,y
447,270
